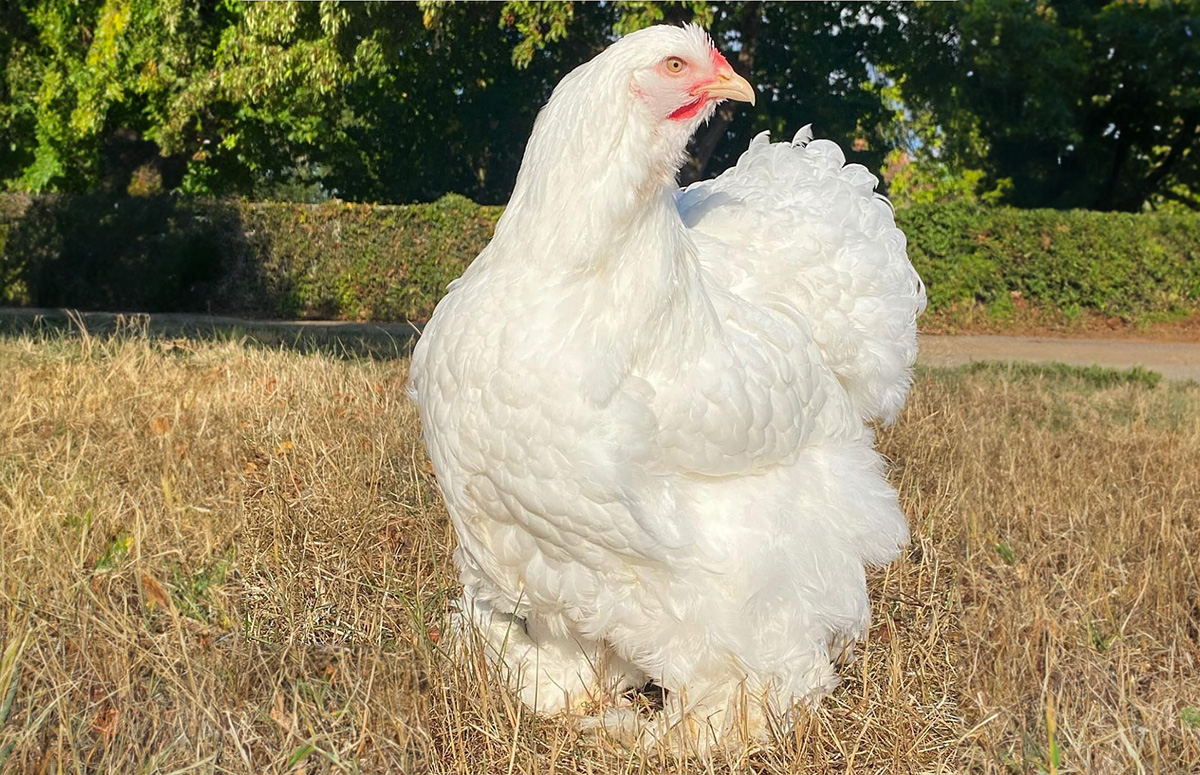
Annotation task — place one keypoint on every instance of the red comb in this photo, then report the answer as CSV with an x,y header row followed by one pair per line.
x,y
719,62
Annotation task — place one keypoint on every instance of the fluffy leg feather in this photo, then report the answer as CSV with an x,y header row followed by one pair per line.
x,y
549,673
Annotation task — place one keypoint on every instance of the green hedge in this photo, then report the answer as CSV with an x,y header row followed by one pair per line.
x,y
155,254
393,262
1138,267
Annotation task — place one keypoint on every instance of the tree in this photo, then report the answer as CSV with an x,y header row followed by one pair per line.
x,y
390,102
224,97
86,83
1061,103
1078,103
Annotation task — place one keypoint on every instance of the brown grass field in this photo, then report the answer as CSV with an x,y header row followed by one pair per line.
x,y
217,556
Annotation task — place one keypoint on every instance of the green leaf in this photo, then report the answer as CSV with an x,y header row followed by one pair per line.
x,y
115,552
1191,717
299,755
10,696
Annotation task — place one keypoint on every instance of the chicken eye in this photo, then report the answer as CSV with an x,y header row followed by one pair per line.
x,y
674,65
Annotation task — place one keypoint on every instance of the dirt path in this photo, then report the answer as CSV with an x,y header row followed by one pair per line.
x,y
1174,360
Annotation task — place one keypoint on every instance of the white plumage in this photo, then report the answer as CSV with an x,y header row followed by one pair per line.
x,y
647,407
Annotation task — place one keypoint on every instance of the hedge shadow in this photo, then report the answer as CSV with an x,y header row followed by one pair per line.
x,y
142,254
332,261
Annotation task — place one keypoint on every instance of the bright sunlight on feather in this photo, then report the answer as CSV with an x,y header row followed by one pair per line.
x,y
648,409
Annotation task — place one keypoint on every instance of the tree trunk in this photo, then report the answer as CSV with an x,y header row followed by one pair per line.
x,y
1104,201
1183,141
1140,191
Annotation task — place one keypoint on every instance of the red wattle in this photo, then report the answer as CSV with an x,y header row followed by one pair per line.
x,y
688,110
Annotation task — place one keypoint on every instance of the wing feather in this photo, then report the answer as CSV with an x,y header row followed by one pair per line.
x,y
743,391
794,220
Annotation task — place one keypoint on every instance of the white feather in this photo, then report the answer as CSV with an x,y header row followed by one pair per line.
x,y
646,407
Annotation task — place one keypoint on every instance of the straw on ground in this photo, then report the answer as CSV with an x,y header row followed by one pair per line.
x,y
233,558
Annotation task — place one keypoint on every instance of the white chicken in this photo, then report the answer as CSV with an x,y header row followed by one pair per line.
x,y
648,408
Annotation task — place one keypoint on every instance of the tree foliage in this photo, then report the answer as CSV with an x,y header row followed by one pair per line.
x,y
1060,103
1077,103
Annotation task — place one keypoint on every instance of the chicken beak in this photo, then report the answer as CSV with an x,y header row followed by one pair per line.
x,y
730,86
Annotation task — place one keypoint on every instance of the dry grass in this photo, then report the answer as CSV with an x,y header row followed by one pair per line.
x,y
216,557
